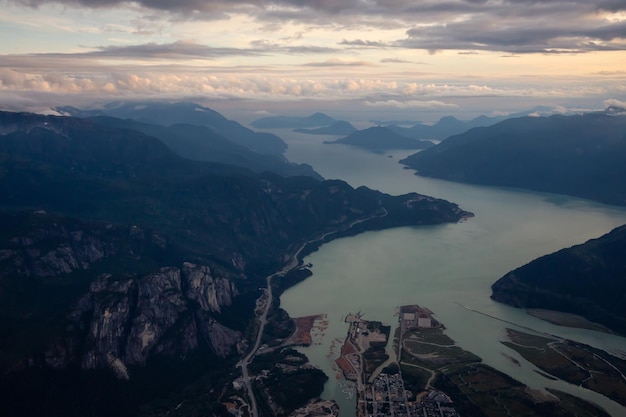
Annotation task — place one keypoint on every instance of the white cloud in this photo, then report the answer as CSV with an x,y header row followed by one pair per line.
x,y
336,62
412,104
254,82
615,103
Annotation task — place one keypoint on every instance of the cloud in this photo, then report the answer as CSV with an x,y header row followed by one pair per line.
x,y
364,43
68,76
177,56
510,26
612,73
190,49
526,33
335,62
614,103
412,104
178,49
175,52
399,61
264,46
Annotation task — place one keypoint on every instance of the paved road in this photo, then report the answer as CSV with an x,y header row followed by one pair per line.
x,y
294,262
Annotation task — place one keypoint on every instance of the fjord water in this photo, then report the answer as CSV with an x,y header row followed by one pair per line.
x,y
447,268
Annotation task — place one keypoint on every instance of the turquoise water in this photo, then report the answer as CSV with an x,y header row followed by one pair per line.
x,y
445,268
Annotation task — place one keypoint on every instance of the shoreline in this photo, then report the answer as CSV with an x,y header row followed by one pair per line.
x,y
561,318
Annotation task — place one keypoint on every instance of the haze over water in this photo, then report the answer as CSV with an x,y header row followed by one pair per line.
x,y
442,267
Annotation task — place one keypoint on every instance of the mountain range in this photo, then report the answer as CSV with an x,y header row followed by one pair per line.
x,y
281,122
450,125
446,126
201,143
167,114
129,274
135,242
580,155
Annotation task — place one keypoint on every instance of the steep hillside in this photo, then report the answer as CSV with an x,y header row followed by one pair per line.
x,y
167,114
588,280
200,143
73,166
577,155
128,274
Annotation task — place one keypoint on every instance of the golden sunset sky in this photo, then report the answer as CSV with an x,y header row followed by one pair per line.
x,y
462,57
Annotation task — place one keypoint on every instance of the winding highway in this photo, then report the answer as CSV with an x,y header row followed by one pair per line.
x,y
293,263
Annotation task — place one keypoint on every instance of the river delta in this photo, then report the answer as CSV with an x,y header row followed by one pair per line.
x,y
448,268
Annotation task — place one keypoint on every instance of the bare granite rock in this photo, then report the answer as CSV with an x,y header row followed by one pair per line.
x,y
126,321
210,292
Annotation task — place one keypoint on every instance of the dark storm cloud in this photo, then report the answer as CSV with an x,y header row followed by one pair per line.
x,y
513,26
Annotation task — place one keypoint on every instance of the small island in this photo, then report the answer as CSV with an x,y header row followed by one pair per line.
x,y
338,128
379,139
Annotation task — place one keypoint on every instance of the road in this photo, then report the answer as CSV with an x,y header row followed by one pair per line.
x,y
294,262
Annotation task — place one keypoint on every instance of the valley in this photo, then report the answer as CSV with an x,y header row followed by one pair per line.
x,y
125,264
443,266
223,320
312,208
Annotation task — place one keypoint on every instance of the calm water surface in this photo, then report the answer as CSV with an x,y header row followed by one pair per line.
x,y
445,268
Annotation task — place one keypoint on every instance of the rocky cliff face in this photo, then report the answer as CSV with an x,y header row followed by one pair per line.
x,y
101,281
126,316
125,321
52,246
209,292
53,250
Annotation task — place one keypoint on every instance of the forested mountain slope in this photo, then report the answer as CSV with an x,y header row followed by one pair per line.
x,y
579,155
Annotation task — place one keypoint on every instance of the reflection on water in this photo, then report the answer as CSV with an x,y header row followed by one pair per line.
x,y
445,268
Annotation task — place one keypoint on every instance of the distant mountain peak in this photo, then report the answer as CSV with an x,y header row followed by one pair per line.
x,y
338,128
449,121
379,138
579,155
171,113
277,122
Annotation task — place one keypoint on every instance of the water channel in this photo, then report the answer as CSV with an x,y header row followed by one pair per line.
x,y
445,268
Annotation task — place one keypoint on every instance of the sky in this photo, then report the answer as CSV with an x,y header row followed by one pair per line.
x,y
364,59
